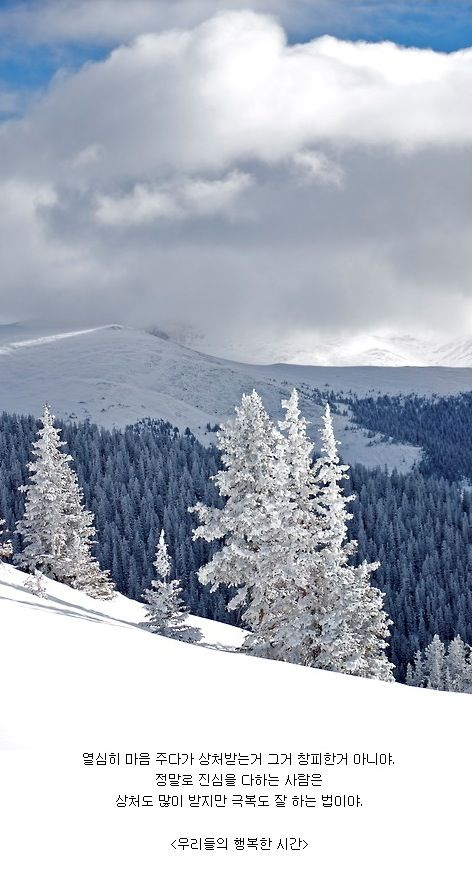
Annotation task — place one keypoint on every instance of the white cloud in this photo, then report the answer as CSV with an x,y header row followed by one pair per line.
x,y
316,167
40,272
141,206
184,199
232,91
89,155
173,172
203,197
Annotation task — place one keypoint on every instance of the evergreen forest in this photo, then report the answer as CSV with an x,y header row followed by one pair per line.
x,y
143,479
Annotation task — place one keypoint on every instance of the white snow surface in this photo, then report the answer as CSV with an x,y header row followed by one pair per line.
x,y
79,676
115,376
358,350
120,611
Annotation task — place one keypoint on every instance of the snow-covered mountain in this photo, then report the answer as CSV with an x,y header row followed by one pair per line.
x,y
115,376
78,676
362,350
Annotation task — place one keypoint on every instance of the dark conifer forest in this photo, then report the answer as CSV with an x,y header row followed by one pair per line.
x,y
440,425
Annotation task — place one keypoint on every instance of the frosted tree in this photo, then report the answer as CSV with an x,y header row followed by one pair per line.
x,y
255,559
298,621
166,613
42,527
56,530
435,664
415,674
457,665
354,627
81,569
444,668
162,563
35,584
6,548
285,547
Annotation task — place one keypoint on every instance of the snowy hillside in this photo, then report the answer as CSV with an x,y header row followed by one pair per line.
x,y
116,376
365,350
62,601
79,676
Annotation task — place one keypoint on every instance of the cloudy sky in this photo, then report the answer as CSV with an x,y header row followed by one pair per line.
x,y
275,168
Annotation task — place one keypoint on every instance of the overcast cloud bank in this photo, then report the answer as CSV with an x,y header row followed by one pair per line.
x,y
226,177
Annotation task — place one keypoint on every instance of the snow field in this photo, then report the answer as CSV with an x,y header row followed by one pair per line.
x,y
79,675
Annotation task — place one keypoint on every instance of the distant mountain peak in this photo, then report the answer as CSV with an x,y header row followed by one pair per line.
x,y
366,350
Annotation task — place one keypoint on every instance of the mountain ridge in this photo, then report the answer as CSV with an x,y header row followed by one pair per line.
x,y
377,350
114,375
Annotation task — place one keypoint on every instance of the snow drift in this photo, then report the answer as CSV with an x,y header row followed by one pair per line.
x,y
79,675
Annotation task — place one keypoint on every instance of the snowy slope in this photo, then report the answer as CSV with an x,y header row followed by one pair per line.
x,y
79,676
378,350
115,376
119,612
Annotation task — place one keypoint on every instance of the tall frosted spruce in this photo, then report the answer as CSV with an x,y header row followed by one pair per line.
x,y
166,613
57,532
254,559
354,627
298,621
285,549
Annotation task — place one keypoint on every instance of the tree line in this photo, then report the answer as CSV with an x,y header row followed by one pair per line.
x,y
144,478
283,539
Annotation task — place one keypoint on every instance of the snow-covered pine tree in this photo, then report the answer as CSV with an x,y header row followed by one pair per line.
x,y
256,556
162,562
42,528
166,613
435,664
417,674
56,530
81,568
457,665
298,629
6,548
444,668
354,627
35,584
